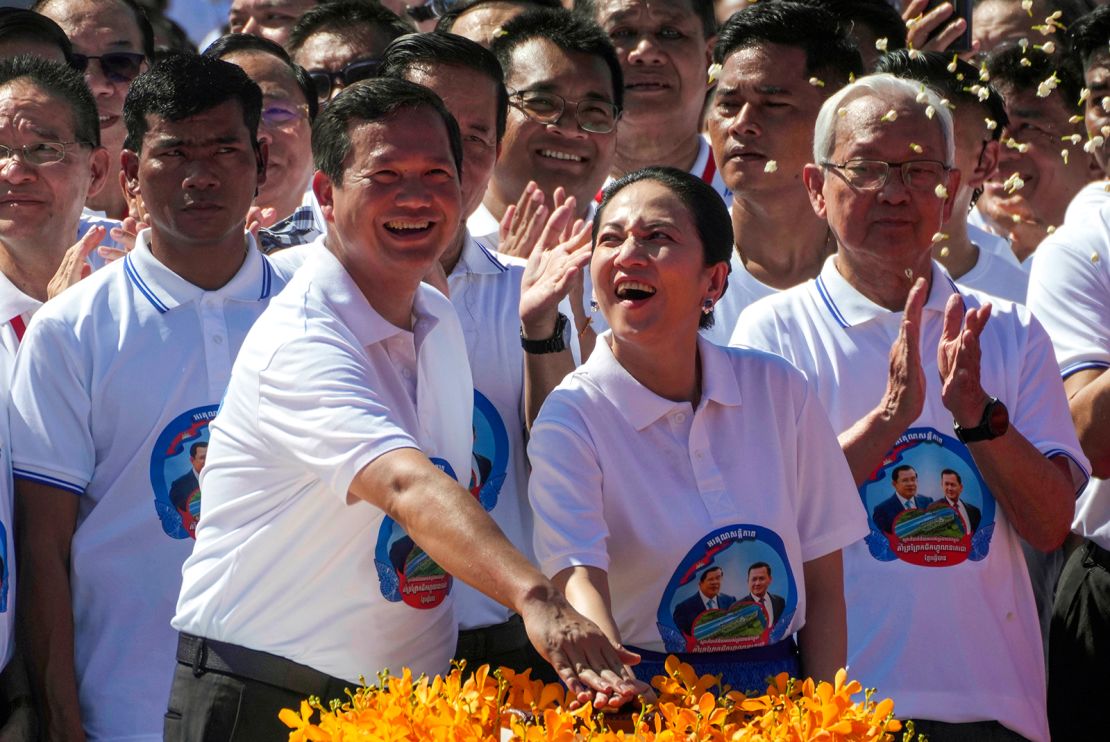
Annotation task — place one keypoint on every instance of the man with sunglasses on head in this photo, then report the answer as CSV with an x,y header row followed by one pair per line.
x,y
288,108
340,43
112,43
942,619
115,380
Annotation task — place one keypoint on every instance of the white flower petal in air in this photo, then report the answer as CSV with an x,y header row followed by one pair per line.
x,y
991,124
916,147
939,237
1092,144
1073,138
881,43
1013,184
816,82
952,64
930,111
889,116
1064,156
771,166
941,191
1027,6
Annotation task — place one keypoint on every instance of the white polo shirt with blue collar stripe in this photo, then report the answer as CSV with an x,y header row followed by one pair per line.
x,y
114,385
941,615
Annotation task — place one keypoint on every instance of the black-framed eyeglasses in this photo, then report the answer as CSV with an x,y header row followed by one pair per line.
x,y
871,175
595,116
324,81
39,153
279,113
116,66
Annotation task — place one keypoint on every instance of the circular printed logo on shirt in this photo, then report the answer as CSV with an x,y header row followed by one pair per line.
x,y
405,571
927,504
490,457
175,464
733,590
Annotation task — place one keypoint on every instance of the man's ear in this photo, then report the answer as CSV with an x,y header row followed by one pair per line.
x,y
98,169
954,177
129,162
813,177
324,191
988,163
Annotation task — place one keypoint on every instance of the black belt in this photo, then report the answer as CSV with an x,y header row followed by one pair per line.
x,y
1098,555
209,655
502,637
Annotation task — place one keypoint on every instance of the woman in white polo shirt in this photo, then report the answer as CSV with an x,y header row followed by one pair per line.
x,y
691,499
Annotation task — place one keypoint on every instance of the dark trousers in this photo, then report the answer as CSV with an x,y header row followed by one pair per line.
x,y
227,692
503,645
1079,647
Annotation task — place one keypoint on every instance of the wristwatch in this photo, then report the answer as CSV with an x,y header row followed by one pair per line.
x,y
557,343
995,423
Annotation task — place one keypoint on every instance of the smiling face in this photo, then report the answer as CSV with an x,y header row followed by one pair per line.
x,y
1096,78
197,176
648,268
40,205
906,484
560,154
663,52
398,204
764,109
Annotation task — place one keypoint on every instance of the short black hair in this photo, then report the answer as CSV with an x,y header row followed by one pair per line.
x,y
447,21
345,17
23,25
878,15
60,81
372,100
706,572
954,473
232,43
564,29
711,217
829,51
1089,34
703,9
178,86
442,48
932,69
760,565
146,31
195,447
1008,71
899,469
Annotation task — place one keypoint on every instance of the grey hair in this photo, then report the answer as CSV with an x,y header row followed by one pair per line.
x,y
890,89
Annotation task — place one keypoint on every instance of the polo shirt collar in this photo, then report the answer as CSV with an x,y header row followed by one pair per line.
x,y
849,307
639,405
165,290
334,283
14,302
477,258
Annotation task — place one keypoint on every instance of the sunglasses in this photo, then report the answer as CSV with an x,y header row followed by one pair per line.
x,y
116,66
324,81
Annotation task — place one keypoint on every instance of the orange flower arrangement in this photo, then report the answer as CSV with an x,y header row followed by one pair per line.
x,y
512,706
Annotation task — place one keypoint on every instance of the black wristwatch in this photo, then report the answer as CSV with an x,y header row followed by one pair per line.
x,y
557,343
995,423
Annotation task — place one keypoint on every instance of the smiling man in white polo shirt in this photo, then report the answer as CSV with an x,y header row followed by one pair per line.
x,y
114,382
350,407
940,616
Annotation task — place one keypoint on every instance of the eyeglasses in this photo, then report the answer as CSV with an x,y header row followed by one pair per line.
x,y
39,153
278,114
595,116
871,175
116,66
324,81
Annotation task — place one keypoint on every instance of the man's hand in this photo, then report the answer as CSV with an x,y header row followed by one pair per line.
x,y
593,667
560,254
958,356
905,391
74,265
918,26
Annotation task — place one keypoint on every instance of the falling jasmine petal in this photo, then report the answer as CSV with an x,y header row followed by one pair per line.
x,y
1073,138
916,147
1064,155
930,112
889,116
842,112
881,43
1094,257
1027,6
944,251
991,124
1075,119
941,191
1050,229
952,64
939,237
771,166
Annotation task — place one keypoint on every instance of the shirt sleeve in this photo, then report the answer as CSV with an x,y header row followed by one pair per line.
x,y
320,403
52,441
1069,293
565,492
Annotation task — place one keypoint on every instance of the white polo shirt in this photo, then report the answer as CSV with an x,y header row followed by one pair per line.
x,y
115,381
287,561
1069,292
928,601
743,289
994,275
654,492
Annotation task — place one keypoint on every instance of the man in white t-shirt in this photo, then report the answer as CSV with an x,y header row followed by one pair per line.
x,y
1069,290
342,449
779,62
664,49
976,672
114,382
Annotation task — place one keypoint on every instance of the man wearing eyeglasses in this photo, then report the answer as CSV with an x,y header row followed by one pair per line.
x,y
968,387
112,41
340,43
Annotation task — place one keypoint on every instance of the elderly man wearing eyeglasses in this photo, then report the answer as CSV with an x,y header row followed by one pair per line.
x,y
916,370
112,43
